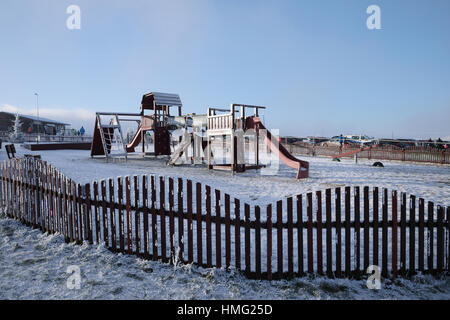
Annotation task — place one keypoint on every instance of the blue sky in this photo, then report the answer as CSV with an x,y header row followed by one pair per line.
x,y
314,64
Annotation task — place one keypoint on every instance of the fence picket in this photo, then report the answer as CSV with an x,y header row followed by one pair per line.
x,y
394,244
171,220
208,227
104,213
128,210
145,213
180,220
198,212
137,215
356,202
421,234
269,241
347,233
247,239
338,232
440,253
227,232
279,239
162,217
375,232
300,234
237,232
120,214
190,226
384,237
112,214
403,234
257,241
412,234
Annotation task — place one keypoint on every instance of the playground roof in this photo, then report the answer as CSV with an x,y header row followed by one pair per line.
x,y
161,99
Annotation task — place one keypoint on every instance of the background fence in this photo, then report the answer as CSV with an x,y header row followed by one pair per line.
x,y
338,232
385,152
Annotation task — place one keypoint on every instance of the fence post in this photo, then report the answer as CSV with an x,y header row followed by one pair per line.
x,y
218,230
290,234
162,217
145,214
421,234
440,240
430,223
257,242
137,215
356,201
247,239
208,227
375,234
338,231
198,207
394,244
189,223
269,241
112,214
347,233
300,234
180,220
412,232
128,209
227,232
384,238
237,233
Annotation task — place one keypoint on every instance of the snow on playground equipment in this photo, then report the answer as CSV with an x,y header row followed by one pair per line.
x,y
231,126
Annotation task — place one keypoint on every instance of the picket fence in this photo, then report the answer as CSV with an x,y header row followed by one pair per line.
x,y
338,233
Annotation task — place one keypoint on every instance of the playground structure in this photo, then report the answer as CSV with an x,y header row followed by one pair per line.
x,y
236,130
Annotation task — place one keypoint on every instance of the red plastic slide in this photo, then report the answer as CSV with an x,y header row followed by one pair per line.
x,y
135,141
288,159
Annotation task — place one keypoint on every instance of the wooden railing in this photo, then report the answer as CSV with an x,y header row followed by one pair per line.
x,y
337,232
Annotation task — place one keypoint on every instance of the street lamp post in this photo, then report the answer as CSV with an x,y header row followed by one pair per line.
x,y
37,108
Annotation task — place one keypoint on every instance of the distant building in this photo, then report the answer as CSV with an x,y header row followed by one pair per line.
x,y
31,124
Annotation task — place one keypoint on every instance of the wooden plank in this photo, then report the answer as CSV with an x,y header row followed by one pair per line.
x,y
375,232
112,214
290,236
412,234
162,210
366,228
384,237
338,232
300,234
171,220
154,220
137,215
237,233
319,233
328,226
96,213
180,220
440,240
128,209
145,213
403,234
269,241
279,238
198,207
357,211
247,244
208,227
310,233
80,211
88,209
104,213
70,213
430,251
227,232
190,226
218,231
258,242
394,244
120,213
348,243
421,234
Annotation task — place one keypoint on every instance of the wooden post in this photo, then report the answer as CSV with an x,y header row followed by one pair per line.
x,y
208,227
290,240
112,214
180,220
269,242
227,232
120,212
347,233
189,223
338,232
257,242
280,238
421,234
247,239
128,209
300,234
137,215
162,217
412,234
237,233
357,231
145,214
394,244
375,227
198,207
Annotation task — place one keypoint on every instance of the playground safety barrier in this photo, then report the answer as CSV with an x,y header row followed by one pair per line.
x,y
412,154
337,232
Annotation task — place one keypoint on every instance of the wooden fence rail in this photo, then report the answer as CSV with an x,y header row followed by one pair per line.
x,y
413,154
339,232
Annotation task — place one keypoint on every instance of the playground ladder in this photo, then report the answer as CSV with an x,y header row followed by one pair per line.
x,y
108,136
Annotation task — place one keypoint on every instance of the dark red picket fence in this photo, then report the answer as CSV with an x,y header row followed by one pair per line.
x,y
338,233
413,154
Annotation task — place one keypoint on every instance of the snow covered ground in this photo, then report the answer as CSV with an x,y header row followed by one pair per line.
x,y
431,182
33,265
